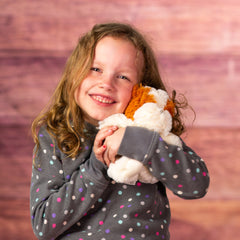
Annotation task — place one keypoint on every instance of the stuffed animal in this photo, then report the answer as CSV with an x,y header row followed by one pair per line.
x,y
149,108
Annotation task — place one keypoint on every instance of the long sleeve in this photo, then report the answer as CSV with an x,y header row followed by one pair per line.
x,y
180,170
63,190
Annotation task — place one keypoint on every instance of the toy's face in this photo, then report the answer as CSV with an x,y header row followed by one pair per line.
x,y
153,118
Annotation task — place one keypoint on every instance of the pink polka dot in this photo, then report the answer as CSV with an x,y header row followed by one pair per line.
x,y
180,185
123,236
37,190
82,199
157,233
51,145
204,174
54,225
160,213
122,206
59,199
177,161
100,222
136,215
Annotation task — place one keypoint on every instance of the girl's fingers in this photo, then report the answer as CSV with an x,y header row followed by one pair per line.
x,y
98,147
99,153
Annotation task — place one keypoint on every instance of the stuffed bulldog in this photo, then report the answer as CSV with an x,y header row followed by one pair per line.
x,y
149,108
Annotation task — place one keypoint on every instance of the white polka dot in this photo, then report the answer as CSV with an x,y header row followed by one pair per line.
x,y
188,170
37,177
65,212
146,156
44,151
73,197
104,209
92,195
54,157
89,227
158,151
45,221
175,176
180,192
65,223
125,216
114,215
71,182
124,186
73,159
142,203
60,171
162,226
130,199
143,235
89,234
130,229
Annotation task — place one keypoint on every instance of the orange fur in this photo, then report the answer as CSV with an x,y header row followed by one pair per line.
x,y
140,95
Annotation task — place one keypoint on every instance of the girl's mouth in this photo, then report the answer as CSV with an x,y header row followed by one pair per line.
x,y
102,99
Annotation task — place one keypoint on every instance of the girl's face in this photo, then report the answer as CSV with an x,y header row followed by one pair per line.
x,y
107,89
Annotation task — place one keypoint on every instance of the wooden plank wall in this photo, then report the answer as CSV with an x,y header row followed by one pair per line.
x,y
197,44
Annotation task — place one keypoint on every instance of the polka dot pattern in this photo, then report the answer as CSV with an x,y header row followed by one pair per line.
x,y
75,193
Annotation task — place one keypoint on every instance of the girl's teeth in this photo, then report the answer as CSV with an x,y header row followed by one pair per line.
x,y
102,100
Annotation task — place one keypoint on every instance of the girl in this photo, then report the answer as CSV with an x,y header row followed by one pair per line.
x,y
72,196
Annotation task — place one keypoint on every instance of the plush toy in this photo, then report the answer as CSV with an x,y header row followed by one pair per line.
x,y
149,108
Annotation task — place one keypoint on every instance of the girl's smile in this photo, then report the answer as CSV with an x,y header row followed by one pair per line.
x,y
106,90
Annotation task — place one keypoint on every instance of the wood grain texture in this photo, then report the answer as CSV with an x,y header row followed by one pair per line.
x,y
192,26
197,45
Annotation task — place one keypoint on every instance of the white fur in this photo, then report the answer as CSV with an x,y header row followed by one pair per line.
x,y
151,116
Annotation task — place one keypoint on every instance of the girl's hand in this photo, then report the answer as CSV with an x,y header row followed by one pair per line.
x,y
99,145
112,144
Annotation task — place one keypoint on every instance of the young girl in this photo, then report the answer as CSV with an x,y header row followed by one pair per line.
x,y
72,196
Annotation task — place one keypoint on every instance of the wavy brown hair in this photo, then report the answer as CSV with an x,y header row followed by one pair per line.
x,y
63,118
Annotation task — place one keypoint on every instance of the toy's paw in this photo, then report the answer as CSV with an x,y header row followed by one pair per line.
x,y
173,139
117,119
146,177
125,170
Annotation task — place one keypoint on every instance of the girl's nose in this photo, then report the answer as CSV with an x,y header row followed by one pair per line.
x,y
107,82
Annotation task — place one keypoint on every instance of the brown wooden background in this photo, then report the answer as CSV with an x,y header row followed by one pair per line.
x,y
197,43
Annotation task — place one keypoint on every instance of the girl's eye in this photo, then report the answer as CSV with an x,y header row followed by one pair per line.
x,y
124,77
95,69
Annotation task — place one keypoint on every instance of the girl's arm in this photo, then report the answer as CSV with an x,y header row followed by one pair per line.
x,y
63,190
181,170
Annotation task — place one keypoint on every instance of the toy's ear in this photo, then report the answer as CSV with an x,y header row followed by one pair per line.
x,y
170,107
140,95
